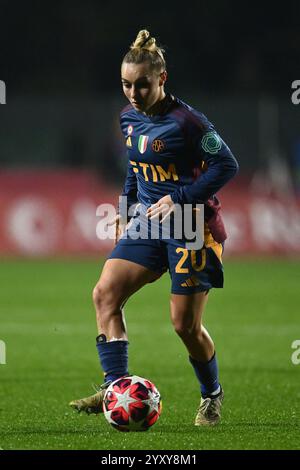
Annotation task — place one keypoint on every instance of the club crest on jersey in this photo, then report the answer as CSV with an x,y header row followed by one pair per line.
x,y
129,129
142,143
158,145
128,141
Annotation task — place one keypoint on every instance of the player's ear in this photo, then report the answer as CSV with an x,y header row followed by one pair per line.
x,y
163,77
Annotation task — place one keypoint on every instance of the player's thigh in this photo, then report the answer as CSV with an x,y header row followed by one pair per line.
x,y
187,310
131,265
121,278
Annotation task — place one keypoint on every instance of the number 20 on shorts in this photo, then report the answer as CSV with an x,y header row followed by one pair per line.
x,y
184,256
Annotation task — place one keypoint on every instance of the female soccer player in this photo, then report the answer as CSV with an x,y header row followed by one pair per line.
x,y
176,158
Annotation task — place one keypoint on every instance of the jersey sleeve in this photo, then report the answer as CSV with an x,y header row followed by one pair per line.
x,y
129,191
221,167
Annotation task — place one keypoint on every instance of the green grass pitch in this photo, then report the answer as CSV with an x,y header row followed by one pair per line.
x,y
48,325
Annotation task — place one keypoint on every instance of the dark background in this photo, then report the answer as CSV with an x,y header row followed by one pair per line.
x,y
234,61
77,46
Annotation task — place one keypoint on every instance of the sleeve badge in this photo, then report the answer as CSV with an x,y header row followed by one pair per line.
x,y
211,143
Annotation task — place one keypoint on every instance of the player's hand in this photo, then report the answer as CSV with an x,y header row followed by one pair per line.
x,y
164,207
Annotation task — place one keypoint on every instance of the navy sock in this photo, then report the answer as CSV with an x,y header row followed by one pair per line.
x,y
207,375
113,357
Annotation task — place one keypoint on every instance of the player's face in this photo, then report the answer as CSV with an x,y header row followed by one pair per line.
x,y
142,86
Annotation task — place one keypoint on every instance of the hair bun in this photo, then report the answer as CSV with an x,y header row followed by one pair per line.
x,y
144,48
145,41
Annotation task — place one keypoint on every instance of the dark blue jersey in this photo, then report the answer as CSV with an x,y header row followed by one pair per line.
x,y
178,153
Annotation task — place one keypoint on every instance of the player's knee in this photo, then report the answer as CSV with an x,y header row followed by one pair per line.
x,y
102,296
184,327
97,291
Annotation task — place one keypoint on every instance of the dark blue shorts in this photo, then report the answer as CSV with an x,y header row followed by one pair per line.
x,y
191,271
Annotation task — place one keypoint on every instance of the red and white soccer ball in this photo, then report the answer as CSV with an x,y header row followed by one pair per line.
x,y
132,404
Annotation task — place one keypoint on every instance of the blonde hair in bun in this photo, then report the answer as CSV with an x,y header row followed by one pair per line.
x,y
145,49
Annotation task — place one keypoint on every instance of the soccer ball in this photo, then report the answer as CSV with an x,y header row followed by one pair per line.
x,y
132,404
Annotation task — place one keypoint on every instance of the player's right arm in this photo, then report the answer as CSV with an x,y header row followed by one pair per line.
x,y
128,198
130,187
127,203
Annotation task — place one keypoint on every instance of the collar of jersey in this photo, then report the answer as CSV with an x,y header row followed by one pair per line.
x,y
145,118
156,117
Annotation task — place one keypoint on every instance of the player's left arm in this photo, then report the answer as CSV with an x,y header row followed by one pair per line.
x,y
221,167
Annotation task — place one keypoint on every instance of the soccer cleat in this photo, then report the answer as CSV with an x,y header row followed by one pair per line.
x,y
209,412
92,404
